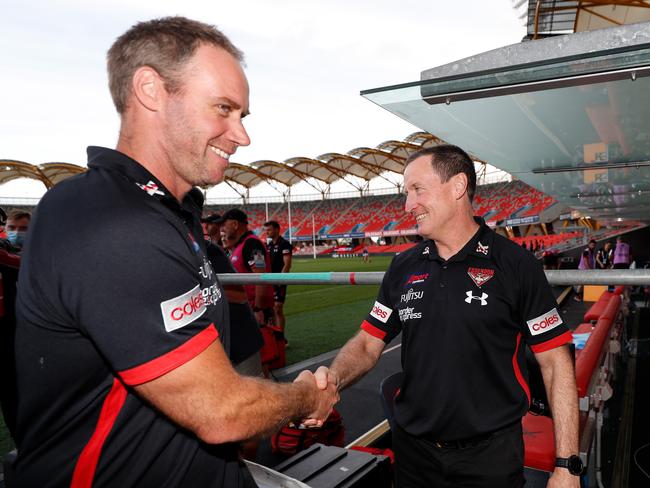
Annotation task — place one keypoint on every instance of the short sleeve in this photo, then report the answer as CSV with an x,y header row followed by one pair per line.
x,y
287,249
383,319
141,301
542,323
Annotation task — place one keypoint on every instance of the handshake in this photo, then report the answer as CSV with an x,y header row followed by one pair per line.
x,y
324,394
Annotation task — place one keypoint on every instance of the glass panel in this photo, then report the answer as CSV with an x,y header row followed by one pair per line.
x,y
584,123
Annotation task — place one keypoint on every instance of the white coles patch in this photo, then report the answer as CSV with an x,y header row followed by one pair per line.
x,y
544,323
182,310
381,312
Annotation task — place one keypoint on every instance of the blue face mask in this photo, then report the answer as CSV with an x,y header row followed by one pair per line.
x,y
16,237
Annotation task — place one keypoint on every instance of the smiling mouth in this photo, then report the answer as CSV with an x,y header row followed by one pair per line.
x,y
219,152
419,218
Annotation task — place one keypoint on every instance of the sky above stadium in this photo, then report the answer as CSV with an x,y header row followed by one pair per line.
x,y
306,62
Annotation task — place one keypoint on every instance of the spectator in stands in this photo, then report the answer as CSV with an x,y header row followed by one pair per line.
x,y
458,411
622,254
587,261
605,256
280,252
122,335
213,228
17,227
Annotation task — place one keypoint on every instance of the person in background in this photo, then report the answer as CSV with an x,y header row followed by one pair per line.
x,y
249,255
213,225
605,256
622,254
17,227
587,261
280,252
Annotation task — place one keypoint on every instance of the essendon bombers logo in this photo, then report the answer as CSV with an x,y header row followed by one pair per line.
x,y
480,276
184,309
416,278
381,312
544,323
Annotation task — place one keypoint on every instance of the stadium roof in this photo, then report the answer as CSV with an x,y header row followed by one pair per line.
x,y
363,162
553,17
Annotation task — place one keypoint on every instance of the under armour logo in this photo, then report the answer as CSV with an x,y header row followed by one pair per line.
x,y
426,250
151,188
471,297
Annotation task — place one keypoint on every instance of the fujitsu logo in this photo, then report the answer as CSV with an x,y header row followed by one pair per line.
x,y
471,297
544,323
411,295
416,278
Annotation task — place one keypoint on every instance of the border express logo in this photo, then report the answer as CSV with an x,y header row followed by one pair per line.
x,y
548,321
381,312
416,278
480,276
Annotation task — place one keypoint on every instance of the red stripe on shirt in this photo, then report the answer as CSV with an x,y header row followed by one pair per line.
x,y
352,279
173,359
372,330
518,375
553,343
84,471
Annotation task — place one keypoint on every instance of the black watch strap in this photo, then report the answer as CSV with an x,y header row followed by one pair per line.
x,y
572,463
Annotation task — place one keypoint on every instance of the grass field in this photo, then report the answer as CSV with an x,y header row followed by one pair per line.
x,y
320,318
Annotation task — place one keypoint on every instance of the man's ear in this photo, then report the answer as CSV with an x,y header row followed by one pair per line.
x,y
459,182
148,88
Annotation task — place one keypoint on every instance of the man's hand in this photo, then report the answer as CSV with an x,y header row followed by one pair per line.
x,y
327,398
325,376
561,478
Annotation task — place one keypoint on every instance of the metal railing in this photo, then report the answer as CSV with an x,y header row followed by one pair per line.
x,y
630,277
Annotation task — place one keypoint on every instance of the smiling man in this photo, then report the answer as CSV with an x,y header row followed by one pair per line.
x,y
464,299
123,334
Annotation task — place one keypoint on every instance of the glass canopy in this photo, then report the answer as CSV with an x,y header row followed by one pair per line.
x,y
576,128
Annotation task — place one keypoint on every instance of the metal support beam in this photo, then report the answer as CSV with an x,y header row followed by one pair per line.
x,y
630,277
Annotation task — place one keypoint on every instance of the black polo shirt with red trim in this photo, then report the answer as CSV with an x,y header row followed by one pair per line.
x,y
114,291
463,323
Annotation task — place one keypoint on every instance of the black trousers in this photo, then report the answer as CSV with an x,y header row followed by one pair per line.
x,y
497,462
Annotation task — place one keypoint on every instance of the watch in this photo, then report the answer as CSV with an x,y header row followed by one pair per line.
x,y
572,463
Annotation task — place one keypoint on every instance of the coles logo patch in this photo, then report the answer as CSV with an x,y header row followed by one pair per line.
x,y
381,312
480,275
182,310
544,323
416,278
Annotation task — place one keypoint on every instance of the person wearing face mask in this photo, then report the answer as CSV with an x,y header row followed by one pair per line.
x,y
16,228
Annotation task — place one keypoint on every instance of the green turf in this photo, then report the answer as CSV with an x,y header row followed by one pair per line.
x,y
321,318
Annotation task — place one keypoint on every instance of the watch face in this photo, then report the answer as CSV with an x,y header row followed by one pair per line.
x,y
574,463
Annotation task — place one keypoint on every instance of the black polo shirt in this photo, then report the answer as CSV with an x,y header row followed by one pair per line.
x,y
114,291
277,251
463,322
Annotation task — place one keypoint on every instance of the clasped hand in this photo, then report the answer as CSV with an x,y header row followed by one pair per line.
x,y
328,394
